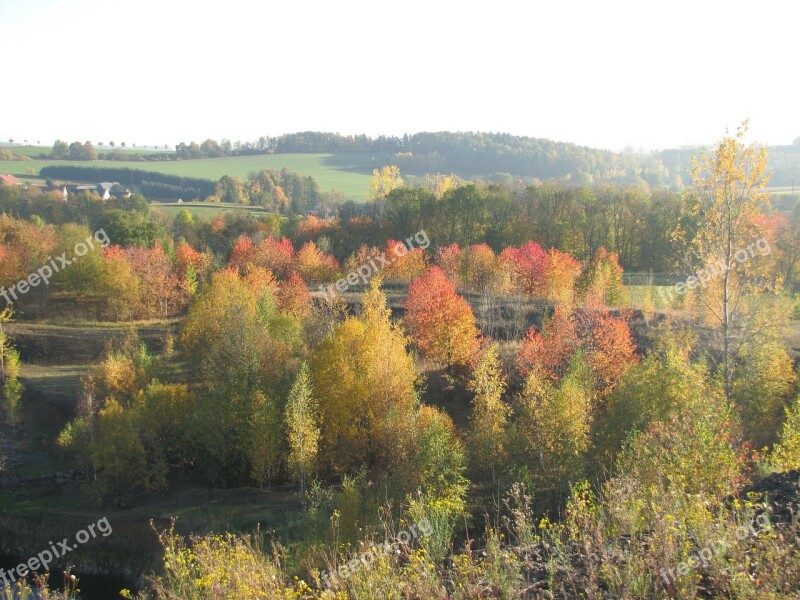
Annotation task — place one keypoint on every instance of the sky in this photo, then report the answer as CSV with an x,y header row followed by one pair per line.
x,y
610,74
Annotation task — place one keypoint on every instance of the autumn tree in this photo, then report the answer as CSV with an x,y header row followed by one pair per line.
x,y
383,181
160,289
277,256
363,378
490,414
9,370
314,266
786,454
163,411
530,262
656,389
554,426
560,274
608,344
302,427
266,443
696,451
118,453
601,282
717,236
441,322
481,268
293,296
404,264
450,260
763,386
548,352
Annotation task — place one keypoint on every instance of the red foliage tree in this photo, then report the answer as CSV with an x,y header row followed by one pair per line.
x,y
241,253
441,322
530,263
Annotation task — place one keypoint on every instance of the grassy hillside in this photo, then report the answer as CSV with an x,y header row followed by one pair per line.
x,y
345,173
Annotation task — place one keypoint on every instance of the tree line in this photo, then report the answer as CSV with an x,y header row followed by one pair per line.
x,y
151,183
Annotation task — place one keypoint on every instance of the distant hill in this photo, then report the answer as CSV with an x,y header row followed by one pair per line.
x,y
501,156
344,162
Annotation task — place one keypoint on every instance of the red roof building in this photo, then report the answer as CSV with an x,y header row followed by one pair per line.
x,y
8,180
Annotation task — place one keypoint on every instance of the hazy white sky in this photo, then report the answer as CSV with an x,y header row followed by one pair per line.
x,y
604,74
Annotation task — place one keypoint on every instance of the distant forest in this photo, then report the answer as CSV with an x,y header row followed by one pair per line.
x,y
498,157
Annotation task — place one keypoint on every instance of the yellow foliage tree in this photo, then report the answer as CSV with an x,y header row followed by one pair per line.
x,y
302,427
555,422
9,370
786,455
119,454
364,378
383,181
489,418
716,238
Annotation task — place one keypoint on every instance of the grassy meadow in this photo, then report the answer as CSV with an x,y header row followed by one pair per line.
x,y
345,173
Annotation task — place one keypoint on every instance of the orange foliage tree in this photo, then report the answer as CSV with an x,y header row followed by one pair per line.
x,y
608,344
605,340
161,292
278,256
481,268
441,322
186,256
559,277
548,352
404,264
315,266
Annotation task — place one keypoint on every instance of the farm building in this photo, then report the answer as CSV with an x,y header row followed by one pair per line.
x,y
8,180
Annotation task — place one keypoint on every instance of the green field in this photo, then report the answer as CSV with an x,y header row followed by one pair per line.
x,y
345,173
203,209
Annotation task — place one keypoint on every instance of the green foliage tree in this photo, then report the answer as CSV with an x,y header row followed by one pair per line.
x,y
654,390
60,150
554,426
266,445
